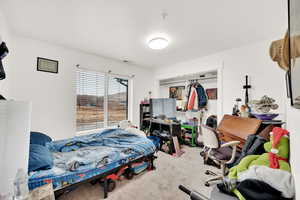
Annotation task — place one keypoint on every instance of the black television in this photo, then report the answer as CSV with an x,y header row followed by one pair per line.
x,y
163,107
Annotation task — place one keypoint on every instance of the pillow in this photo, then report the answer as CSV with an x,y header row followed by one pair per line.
x,y
135,131
39,138
40,158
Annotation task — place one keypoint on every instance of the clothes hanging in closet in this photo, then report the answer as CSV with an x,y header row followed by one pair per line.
x,y
196,98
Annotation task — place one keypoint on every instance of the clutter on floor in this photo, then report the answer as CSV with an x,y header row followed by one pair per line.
x,y
270,171
160,184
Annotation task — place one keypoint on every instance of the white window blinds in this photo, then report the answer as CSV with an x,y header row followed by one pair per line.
x,y
102,100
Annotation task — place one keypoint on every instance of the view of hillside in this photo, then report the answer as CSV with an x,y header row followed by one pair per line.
x,y
90,110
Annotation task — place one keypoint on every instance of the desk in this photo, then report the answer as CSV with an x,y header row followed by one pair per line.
x,y
172,129
265,123
238,128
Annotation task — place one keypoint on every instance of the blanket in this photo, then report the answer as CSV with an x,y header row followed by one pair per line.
x,y
95,151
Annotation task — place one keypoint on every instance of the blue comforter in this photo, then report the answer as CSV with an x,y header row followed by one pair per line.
x,y
95,151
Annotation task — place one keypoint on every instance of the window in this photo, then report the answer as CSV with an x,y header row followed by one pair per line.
x,y
117,100
102,100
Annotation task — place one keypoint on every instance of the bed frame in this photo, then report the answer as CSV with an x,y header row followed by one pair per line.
x,y
60,192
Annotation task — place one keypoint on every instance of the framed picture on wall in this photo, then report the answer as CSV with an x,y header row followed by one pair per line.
x,y
47,65
212,93
176,92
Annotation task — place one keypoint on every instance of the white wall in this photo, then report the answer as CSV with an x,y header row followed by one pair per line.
x,y
5,35
253,60
15,127
4,84
53,95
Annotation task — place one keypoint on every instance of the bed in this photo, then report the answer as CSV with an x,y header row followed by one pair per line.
x,y
92,157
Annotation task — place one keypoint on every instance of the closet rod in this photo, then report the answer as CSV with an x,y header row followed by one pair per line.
x,y
109,72
180,81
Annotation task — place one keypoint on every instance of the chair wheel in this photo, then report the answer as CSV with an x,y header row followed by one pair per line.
x,y
207,184
111,185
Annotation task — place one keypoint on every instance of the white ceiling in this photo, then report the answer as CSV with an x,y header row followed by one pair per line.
x,y
119,28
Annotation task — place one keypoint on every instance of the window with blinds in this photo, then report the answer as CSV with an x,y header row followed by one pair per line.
x,y
102,100
117,100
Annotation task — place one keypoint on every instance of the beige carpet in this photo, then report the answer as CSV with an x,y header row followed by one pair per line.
x,y
160,184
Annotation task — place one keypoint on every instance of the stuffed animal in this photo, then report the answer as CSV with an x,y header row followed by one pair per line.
x,y
271,167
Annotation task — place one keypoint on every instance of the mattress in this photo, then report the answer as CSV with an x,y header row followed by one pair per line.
x,y
81,158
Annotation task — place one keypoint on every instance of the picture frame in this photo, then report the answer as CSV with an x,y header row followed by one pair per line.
x,y
176,92
47,65
212,93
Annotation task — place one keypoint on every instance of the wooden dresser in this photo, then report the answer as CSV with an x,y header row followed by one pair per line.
x,y
237,128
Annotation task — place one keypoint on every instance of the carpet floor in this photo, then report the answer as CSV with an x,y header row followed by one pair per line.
x,y
160,184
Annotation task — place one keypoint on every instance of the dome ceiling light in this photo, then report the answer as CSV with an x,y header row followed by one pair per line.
x,y
159,41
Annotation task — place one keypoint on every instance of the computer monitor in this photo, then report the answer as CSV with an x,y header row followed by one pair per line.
x,y
163,106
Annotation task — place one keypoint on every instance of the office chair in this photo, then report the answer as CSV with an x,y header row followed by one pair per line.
x,y
213,149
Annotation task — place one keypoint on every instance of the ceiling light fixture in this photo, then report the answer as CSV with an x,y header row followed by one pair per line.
x,y
159,41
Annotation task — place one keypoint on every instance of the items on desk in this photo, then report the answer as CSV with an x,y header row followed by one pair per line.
x,y
264,105
262,108
245,111
236,107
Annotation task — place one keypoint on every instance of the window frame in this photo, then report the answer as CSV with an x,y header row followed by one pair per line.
x,y
106,91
